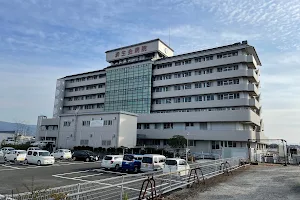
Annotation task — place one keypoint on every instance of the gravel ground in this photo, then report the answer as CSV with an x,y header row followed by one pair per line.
x,y
261,182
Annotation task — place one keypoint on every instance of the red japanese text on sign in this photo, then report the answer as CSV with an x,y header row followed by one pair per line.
x,y
144,48
123,53
130,51
137,50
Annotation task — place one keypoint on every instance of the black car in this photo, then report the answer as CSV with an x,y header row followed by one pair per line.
x,y
85,155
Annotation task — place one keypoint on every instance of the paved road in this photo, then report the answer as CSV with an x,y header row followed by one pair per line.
x,y
259,182
18,178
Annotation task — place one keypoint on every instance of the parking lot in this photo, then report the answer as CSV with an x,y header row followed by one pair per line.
x,y
18,178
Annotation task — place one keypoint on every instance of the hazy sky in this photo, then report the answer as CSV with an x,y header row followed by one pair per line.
x,y
43,40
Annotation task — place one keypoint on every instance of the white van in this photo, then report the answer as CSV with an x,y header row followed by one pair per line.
x,y
176,165
152,162
39,157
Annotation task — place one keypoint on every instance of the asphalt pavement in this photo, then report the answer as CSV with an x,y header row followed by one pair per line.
x,y
18,178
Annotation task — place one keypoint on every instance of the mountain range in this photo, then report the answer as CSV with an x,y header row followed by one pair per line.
x,y
9,126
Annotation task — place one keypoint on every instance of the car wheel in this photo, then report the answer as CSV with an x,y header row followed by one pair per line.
x,y
15,161
117,167
87,160
74,158
25,162
136,169
39,163
61,157
5,159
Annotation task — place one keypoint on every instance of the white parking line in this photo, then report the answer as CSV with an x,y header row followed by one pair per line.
x,y
88,175
71,173
10,167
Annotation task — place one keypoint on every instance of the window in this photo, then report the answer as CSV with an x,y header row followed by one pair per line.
x,y
187,61
198,85
139,126
189,124
198,72
198,98
168,100
188,86
235,67
187,99
220,83
103,142
107,122
29,153
177,63
84,142
146,126
35,153
186,74
177,87
203,125
157,126
168,125
86,123
230,144
219,56
197,59
210,97
177,75
177,100
236,81
67,123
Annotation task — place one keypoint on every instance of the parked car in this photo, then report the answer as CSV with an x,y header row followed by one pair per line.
x,y
7,149
15,155
132,162
85,155
39,157
152,162
176,165
2,157
33,148
62,154
112,162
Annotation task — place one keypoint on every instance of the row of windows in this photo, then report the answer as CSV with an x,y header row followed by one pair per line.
x,y
88,87
196,72
220,144
129,79
86,97
199,59
205,109
88,78
129,90
202,125
207,97
86,107
88,123
131,68
197,85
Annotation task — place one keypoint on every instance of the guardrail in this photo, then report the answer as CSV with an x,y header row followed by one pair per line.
x,y
137,186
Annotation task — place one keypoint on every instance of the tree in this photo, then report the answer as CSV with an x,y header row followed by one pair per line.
x,y
177,142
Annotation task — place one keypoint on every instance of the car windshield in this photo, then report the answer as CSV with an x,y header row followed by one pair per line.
x,y
128,157
107,158
44,154
171,162
66,151
21,152
147,160
89,152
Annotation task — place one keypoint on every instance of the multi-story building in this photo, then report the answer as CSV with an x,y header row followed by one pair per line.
x,y
211,96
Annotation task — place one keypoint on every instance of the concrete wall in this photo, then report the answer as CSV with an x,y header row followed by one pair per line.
x,y
205,116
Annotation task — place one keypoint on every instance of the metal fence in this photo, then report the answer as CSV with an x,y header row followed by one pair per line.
x,y
136,186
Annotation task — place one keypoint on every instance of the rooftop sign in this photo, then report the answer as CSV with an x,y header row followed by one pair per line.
x,y
139,49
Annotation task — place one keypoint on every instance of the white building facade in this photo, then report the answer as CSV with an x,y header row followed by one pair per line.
x,y
211,96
